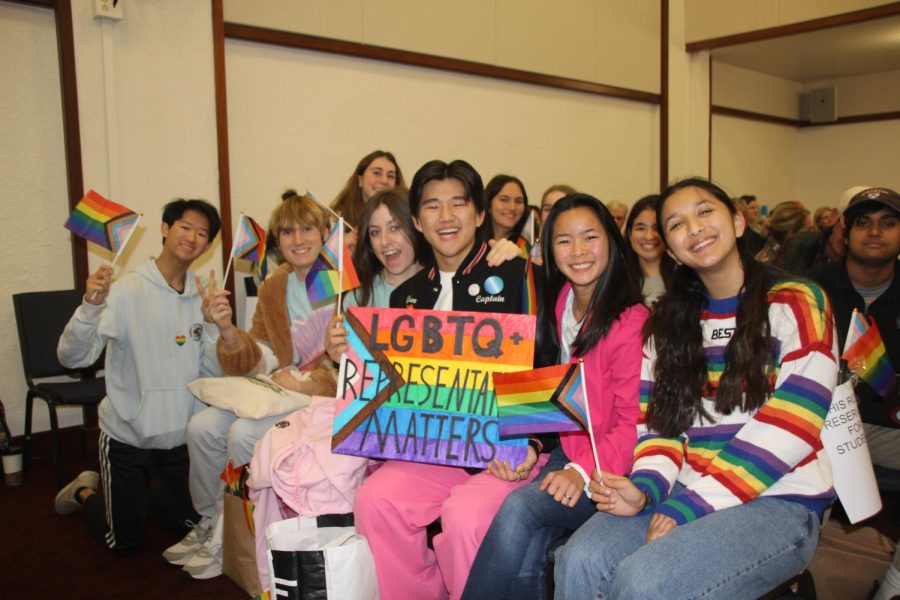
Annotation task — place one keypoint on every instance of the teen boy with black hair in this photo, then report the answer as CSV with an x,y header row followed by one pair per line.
x,y
155,326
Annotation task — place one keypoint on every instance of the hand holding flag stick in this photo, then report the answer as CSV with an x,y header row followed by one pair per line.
x,y
215,308
550,399
866,355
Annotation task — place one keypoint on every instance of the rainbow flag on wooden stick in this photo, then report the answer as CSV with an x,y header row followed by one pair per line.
x,y
250,241
102,221
543,400
866,356
333,272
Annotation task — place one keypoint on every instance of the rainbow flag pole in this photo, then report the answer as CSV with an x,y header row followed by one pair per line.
x,y
237,232
328,208
337,306
587,412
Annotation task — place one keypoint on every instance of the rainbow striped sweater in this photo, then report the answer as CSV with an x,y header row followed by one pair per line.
x,y
773,451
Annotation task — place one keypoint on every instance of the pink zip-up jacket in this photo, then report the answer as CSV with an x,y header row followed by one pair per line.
x,y
613,372
294,470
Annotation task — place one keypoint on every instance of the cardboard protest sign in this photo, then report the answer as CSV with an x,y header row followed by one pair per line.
x,y
418,385
844,440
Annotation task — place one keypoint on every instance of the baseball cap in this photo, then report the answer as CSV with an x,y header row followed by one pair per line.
x,y
872,198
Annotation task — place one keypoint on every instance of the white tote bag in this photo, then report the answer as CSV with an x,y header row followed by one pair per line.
x,y
309,562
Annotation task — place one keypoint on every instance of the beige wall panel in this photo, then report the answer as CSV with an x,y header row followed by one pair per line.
x,y
832,159
795,11
559,38
688,103
36,252
614,42
153,138
462,29
865,94
282,135
749,157
628,39
707,19
736,87
339,19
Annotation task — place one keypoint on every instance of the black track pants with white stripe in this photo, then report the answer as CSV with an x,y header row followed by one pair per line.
x,y
126,473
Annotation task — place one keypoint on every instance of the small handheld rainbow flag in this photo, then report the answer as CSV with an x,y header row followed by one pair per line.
x,y
543,400
333,272
250,241
529,291
103,222
866,356
528,231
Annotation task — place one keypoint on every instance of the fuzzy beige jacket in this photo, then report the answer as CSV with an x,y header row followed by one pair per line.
x,y
271,325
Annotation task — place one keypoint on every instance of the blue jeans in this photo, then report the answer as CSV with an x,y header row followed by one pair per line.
x,y
513,556
740,552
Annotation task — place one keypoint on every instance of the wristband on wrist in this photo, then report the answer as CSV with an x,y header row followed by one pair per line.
x,y
536,445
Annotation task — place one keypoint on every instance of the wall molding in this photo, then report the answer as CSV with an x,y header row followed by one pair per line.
x,y
303,41
858,16
762,117
750,115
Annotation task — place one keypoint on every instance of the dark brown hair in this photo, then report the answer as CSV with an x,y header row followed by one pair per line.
x,y
680,371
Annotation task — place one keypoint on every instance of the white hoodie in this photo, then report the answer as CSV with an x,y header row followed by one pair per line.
x,y
156,343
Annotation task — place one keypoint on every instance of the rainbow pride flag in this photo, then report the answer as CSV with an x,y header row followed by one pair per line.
x,y
529,291
102,221
331,248
867,357
528,231
333,272
541,400
322,283
250,242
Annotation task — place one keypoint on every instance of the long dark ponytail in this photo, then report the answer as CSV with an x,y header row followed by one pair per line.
x,y
680,371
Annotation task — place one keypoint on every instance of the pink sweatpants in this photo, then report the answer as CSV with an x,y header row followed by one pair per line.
x,y
400,499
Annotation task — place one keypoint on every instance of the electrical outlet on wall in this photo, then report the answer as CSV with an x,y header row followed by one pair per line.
x,y
108,9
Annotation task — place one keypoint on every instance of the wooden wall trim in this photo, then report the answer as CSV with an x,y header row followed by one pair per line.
x,y
858,16
308,42
851,119
44,3
664,95
754,116
848,120
65,41
218,29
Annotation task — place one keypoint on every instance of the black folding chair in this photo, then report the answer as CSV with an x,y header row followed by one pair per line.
x,y
41,318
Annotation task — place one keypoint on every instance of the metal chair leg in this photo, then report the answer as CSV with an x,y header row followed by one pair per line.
x,y
26,446
54,435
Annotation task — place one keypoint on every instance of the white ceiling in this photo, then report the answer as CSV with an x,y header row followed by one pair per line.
x,y
858,49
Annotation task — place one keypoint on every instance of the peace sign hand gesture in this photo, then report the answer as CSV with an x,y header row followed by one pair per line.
x,y
216,308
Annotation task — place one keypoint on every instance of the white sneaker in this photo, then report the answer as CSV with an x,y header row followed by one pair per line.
x,y
181,552
66,503
206,563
